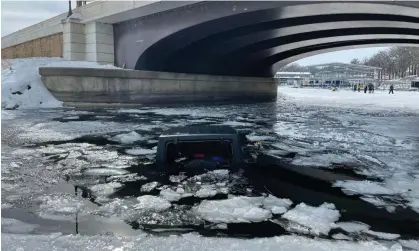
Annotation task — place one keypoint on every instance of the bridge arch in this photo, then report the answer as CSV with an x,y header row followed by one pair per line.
x,y
250,42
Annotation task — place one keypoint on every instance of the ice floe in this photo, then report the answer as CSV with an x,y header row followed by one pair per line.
x,y
9,225
170,195
148,187
276,205
233,210
319,220
206,191
105,171
362,187
352,227
128,138
154,203
253,137
380,235
140,151
60,206
341,236
106,188
324,160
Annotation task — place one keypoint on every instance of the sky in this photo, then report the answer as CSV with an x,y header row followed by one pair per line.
x,y
17,15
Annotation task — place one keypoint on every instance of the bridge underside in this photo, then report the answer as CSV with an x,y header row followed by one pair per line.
x,y
245,40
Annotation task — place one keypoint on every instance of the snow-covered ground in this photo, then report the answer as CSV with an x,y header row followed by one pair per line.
x,y
55,161
378,100
21,84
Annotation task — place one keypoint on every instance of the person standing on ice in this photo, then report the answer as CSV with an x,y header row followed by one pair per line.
x,y
369,88
391,89
355,85
365,89
359,87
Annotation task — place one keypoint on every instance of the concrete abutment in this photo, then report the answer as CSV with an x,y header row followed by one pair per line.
x,y
120,87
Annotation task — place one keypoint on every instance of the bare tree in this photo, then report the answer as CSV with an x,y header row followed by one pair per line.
x,y
396,62
355,61
294,67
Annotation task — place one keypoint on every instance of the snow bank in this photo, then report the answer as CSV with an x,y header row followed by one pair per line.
x,y
22,86
186,242
127,138
234,210
360,100
319,220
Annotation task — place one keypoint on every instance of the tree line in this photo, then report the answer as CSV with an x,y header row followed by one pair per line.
x,y
396,62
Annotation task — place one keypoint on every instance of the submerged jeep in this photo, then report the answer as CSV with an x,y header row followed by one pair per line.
x,y
200,147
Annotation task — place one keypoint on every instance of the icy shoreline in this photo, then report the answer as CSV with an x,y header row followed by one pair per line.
x,y
380,100
22,87
186,242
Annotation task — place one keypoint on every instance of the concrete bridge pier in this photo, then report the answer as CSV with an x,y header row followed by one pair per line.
x,y
92,41
84,87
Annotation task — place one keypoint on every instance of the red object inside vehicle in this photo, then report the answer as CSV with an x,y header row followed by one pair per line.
x,y
199,155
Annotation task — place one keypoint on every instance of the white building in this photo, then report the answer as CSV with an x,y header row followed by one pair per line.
x,y
293,78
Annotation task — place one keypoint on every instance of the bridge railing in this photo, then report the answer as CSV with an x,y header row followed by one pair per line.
x,y
42,29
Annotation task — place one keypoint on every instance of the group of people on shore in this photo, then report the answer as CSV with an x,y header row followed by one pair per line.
x,y
370,88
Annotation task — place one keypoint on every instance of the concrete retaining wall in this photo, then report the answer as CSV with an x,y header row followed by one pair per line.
x,y
98,87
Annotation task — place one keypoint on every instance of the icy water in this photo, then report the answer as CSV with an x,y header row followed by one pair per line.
x,y
91,172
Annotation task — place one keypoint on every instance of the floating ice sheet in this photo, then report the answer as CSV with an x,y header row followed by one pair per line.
x,y
9,225
149,202
128,138
140,151
363,187
148,187
234,210
352,227
318,219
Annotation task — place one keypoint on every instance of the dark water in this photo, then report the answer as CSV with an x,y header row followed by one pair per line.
x,y
63,146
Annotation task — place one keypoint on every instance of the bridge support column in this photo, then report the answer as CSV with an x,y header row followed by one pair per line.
x,y
99,43
88,42
73,40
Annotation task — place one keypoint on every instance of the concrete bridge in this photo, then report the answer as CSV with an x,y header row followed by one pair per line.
x,y
228,38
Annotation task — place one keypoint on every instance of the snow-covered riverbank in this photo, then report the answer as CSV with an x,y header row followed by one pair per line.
x,y
21,85
379,100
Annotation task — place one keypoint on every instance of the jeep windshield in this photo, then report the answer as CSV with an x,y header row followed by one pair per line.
x,y
217,151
